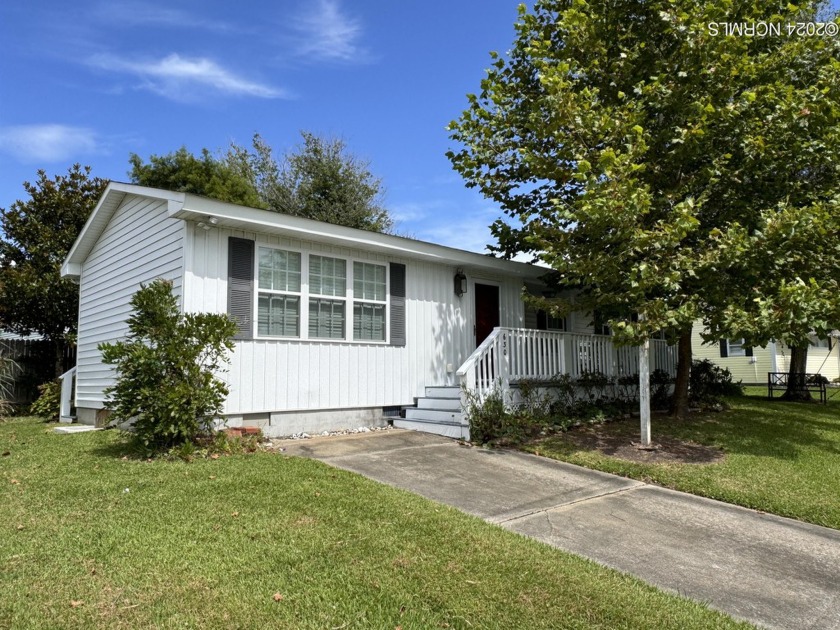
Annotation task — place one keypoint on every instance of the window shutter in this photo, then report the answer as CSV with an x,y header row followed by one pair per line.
x,y
724,348
241,285
397,304
542,320
748,352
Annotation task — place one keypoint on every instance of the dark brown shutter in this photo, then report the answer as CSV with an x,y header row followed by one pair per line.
x,y
724,348
542,320
748,351
241,285
397,304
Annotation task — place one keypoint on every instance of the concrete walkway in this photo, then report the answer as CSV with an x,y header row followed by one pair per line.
x,y
769,570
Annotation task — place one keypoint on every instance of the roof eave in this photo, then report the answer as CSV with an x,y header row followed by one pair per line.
x,y
111,199
201,209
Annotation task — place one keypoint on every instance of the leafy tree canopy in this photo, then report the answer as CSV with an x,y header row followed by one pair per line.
x,y
205,175
37,235
319,180
641,153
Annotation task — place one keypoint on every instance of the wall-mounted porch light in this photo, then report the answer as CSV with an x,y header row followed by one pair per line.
x,y
460,283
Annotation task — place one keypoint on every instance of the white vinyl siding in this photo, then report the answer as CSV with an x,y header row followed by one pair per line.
x,y
752,369
310,374
139,244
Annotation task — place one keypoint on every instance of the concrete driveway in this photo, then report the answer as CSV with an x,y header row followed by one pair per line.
x,y
769,570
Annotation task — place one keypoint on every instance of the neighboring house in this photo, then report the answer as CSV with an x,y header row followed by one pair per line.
x,y
337,327
751,365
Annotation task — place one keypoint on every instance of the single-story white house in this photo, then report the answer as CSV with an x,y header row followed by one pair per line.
x,y
337,327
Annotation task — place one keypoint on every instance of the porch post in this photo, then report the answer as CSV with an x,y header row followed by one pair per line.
x,y
644,391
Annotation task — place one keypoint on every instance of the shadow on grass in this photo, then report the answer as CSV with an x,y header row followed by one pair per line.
x,y
760,427
121,446
753,426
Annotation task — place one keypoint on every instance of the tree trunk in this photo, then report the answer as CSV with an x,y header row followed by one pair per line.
x,y
796,390
679,406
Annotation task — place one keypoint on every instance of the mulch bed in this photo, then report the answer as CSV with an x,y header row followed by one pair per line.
x,y
622,440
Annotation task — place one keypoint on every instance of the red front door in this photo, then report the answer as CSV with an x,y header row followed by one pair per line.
x,y
486,311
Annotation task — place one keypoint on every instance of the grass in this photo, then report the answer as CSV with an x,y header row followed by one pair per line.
x,y
91,538
781,457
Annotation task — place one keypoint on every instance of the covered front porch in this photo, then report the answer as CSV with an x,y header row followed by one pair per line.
x,y
509,356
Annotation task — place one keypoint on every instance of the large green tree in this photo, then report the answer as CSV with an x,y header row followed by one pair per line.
x,y
627,139
319,179
37,234
205,175
787,272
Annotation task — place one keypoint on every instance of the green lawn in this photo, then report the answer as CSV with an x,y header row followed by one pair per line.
x,y
89,539
780,457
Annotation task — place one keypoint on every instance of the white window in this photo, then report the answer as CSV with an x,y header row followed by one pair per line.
x,y
322,292
279,295
736,348
554,323
369,301
327,297
820,343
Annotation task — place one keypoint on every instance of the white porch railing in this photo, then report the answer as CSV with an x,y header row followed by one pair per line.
x,y
515,354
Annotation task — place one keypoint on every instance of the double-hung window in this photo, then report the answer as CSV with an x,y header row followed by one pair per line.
x,y
310,296
327,297
736,348
369,301
278,302
552,322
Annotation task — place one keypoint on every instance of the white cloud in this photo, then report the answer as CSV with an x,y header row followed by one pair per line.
x,y
326,34
48,143
146,14
176,77
413,211
446,224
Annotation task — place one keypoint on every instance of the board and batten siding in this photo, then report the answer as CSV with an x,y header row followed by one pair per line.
x,y
271,375
139,244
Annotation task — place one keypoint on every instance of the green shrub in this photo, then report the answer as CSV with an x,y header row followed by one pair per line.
x,y
564,401
48,403
488,417
166,369
708,383
660,389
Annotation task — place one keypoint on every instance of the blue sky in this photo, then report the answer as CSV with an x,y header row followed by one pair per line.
x,y
92,80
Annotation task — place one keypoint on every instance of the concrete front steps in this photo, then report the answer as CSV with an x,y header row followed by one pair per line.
x,y
438,412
